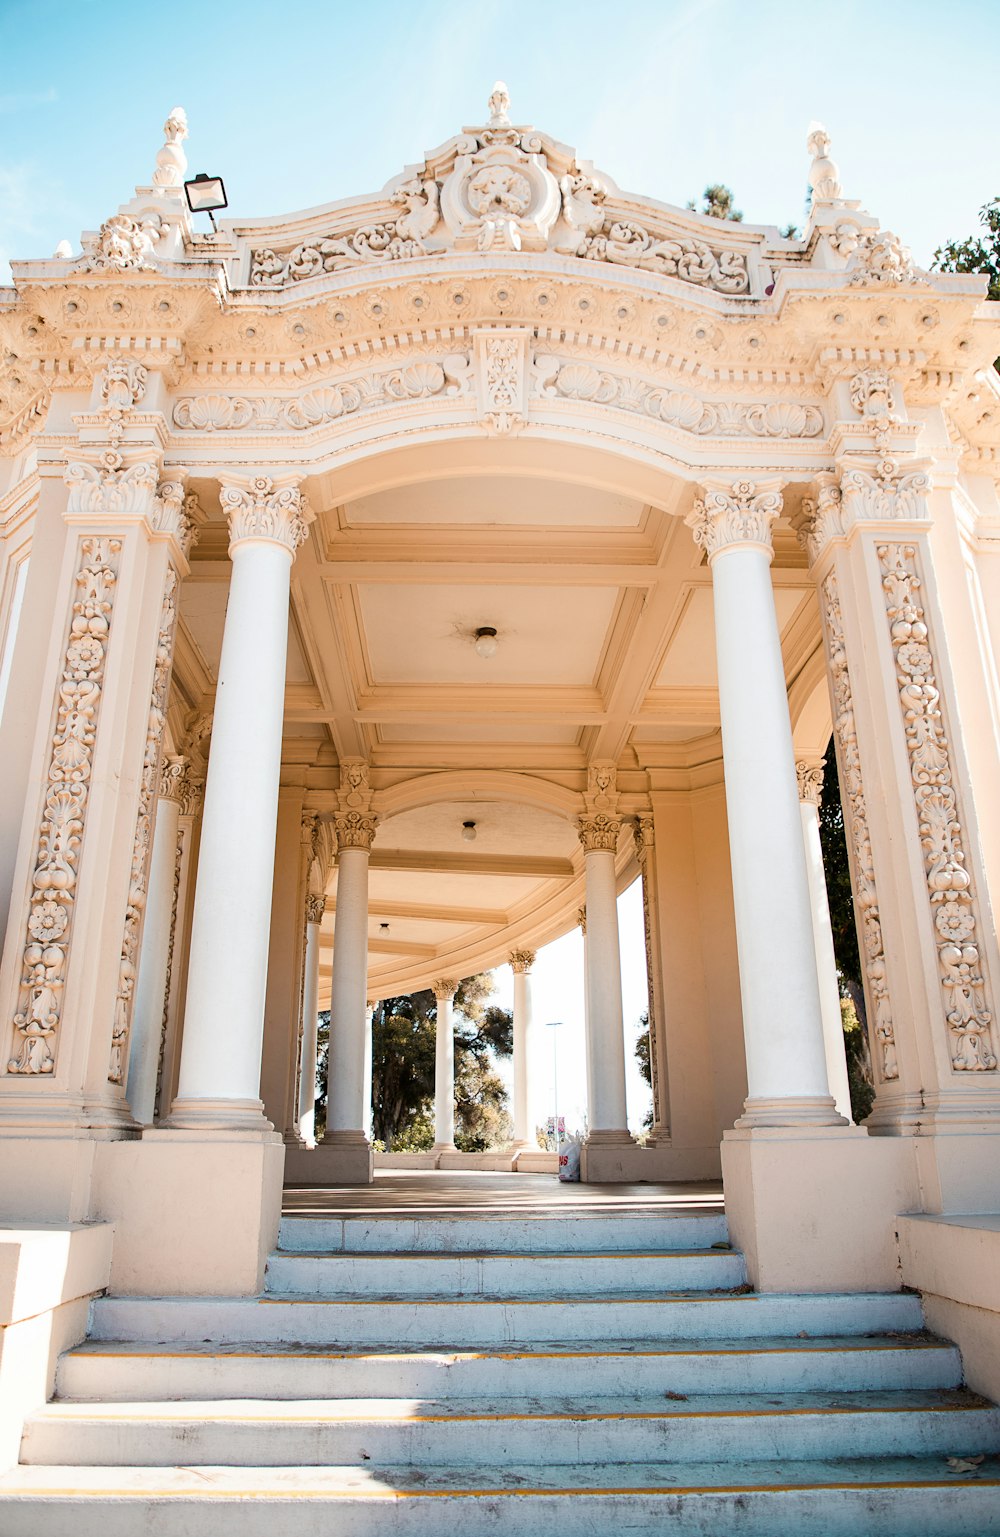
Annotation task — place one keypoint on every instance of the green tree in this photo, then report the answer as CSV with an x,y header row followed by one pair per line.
x,y
403,1049
642,1056
977,253
718,203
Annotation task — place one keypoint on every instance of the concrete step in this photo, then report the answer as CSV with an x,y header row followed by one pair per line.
x,y
439,1433
514,1233
451,1322
905,1497
115,1371
502,1275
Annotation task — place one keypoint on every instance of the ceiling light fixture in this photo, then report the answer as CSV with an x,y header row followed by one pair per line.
x,y
486,640
469,832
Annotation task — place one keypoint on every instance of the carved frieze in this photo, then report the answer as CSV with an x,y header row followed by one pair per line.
x,y
950,885
880,1025
324,403
56,871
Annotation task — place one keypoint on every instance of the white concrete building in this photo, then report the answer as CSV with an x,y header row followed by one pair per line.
x,y
505,501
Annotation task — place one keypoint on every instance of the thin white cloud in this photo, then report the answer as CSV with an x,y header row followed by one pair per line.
x,y
18,101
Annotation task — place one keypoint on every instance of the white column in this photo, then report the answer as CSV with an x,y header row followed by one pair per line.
x,y
782,1019
444,1066
345,1115
315,906
369,1113
525,1050
810,780
151,982
605,1024
224,1016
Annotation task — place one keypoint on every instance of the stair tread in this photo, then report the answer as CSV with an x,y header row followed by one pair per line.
x,y
211,1481
533,1349
511,1254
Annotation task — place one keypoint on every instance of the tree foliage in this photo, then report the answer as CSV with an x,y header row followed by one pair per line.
x,y
977,253
403,1051
718,203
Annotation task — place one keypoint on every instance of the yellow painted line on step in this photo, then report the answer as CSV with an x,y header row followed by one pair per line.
x,y
201,1493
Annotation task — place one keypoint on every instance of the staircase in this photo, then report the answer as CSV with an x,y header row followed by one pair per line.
x,y
585,1373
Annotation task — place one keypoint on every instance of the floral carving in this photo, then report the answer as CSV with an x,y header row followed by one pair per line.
x,y
502,360
949,880
60,837
390,240
125,245
444,989
678,408
680,256
869,922
326,403
142,839
260,509
599,830
881,260
886,495
740,514
521,960
109,488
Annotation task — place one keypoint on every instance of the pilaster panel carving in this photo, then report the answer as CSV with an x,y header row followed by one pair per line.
x,y
142,838
737,514
262,508
950,887
501,377
64,816
880,1025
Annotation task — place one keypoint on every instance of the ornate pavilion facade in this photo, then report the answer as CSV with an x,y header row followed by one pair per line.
x,y
708,494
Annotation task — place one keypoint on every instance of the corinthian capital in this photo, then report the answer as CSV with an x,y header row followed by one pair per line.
x,y
266,508
315,907
175,779
521,960
736,514
444,988
599,830
106,485
354,829
810,781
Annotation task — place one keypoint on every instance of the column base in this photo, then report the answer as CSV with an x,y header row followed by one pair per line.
x,y
444,1147
818,1111
608,1157
196,1212
813,1208
341,1158
228,1115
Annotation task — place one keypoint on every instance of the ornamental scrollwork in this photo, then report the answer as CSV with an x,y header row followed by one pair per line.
x,y
881,1030
67,791
881,260
149,783
950,888
385,241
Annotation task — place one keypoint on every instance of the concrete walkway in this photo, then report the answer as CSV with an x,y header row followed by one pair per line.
x,y
449,1192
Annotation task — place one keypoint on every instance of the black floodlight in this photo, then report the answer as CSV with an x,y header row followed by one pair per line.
x,y
205,193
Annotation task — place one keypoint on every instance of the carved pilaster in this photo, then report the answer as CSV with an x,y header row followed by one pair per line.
x,y
880,1024
950,885
64,816
809,777
521,960
266,508
738,514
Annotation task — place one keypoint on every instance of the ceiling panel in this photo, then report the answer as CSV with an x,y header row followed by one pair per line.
x,y
480,731
485,501
501,828
425,634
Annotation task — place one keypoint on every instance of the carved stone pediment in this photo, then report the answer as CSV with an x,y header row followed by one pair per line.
x,y
501,197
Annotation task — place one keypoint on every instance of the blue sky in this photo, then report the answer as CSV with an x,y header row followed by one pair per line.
x,y
302,104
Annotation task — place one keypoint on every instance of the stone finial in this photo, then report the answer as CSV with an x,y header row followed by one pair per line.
x,y
824,177
499,105
171,161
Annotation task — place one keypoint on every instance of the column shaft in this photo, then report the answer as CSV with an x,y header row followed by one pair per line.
x,y
310,1025
444,1071
524,1051
826,964
605,1023
345,1118
147,1016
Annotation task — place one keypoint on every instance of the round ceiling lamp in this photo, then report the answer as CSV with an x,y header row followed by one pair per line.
x,y
486,640
469,832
